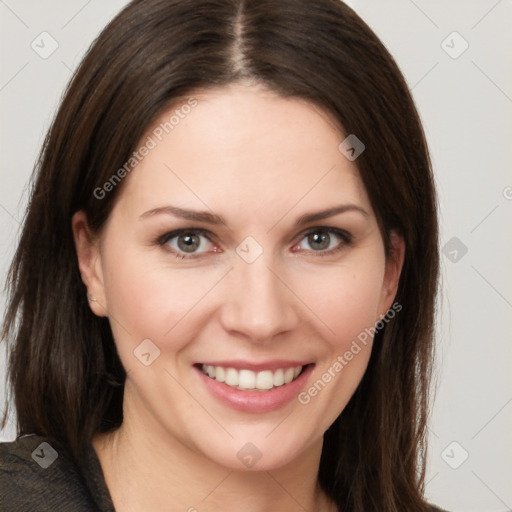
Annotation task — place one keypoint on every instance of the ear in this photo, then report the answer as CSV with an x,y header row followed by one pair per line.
x,y
89,263
393,270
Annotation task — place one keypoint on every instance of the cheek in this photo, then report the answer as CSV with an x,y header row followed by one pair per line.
x,y
346,300
150,300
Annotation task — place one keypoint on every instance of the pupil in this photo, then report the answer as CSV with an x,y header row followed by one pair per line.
x,y
188,243
319,240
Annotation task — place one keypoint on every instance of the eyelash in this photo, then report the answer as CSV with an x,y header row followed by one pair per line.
x,y
165,239
346,237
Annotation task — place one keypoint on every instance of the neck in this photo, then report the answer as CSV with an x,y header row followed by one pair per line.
x,y
146,468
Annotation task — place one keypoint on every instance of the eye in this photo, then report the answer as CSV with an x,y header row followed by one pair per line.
x,y
324,240
187,241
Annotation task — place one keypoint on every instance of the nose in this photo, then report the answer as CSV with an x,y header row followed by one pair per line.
x,y
259,306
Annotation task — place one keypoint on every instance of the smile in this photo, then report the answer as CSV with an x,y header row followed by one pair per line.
x,y
254,387
249,380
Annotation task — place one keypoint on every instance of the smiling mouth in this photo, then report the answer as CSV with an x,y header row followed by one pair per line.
x,y
248,380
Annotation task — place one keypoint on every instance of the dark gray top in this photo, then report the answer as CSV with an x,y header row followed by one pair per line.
x,y
38,475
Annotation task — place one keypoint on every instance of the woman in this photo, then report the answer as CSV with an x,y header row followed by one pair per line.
x,y
223,296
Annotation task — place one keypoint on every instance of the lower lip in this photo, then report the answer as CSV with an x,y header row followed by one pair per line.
x,y
256,401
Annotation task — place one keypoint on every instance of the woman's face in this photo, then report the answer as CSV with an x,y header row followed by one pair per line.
x,y
242,245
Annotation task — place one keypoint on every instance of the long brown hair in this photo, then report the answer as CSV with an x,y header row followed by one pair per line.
x,y
66,378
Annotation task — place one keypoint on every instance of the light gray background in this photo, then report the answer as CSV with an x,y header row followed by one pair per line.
x,y
466,106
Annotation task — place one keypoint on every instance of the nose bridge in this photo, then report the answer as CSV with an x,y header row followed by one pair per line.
x,y
259,306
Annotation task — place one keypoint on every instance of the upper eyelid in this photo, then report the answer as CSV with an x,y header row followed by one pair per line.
x,y
342,233
211,237
167,237
209,234
325,228
177,232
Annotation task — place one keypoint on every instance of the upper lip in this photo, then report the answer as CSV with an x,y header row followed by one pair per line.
x,y
256,367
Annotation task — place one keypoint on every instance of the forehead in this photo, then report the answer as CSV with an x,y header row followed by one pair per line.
x,y
243,150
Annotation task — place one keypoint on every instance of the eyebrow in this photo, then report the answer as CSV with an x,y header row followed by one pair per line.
x,y
211,218
330,212
199,216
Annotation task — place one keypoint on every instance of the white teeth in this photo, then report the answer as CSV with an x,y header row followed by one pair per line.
x,y
247,379
288,375
231,377
265,380
279,377
220,374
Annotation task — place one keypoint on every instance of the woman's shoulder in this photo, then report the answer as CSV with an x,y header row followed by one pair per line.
x,y
36,473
